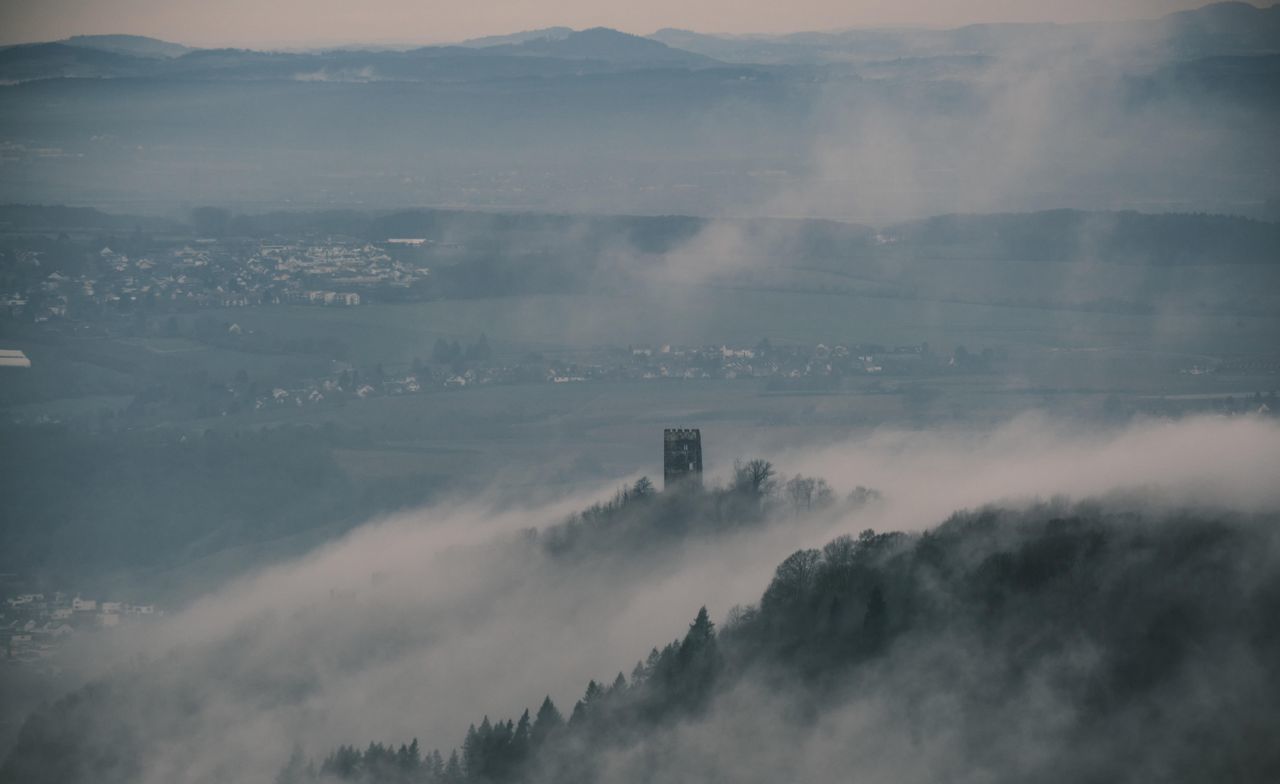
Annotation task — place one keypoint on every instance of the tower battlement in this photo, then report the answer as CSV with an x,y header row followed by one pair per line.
x,y
681,456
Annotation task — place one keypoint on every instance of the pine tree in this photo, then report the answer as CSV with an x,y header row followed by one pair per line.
x,y
697,661
520,739
409,758
294,771
547,722
498,747
471,751
652,661
453,773
479,762
701,632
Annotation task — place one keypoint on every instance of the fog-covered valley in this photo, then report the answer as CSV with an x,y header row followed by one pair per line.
x,y
419,624
571,405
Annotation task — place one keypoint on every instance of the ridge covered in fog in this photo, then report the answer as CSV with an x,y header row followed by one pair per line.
x,y
569,405
429,621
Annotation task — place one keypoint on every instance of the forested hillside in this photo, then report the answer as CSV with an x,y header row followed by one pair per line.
x,y
1057,643
1109,638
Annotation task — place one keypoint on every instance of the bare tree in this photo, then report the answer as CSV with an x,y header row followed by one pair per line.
x,y
807,493
800,491
755,476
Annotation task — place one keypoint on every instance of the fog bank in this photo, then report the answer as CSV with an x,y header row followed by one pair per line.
x,y
410,625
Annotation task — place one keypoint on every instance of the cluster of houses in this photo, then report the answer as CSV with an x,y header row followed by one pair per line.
x,y
210,273
763,360
33,626
791,364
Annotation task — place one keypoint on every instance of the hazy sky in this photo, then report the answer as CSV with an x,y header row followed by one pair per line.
x,y
302,22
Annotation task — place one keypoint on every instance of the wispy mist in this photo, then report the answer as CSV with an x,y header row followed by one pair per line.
x,y
407,624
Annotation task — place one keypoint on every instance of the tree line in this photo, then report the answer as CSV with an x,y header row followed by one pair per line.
x,y
992,580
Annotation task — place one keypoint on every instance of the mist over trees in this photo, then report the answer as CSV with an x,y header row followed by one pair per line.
x,y
347,398
1087,628
1082,626
639,519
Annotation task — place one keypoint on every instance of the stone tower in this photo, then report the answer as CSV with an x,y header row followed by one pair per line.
x,y
681,457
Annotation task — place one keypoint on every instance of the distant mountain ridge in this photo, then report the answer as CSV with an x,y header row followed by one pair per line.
x,y
1215,29
136,45
547,52
602,43
26,62
1221,29
554,33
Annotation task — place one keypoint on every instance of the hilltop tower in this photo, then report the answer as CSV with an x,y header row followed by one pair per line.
x,y
681,457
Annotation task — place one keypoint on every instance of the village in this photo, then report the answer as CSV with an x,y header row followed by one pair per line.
x,y
36,626
205,273
451,365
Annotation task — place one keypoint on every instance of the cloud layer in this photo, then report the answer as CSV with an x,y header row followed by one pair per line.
x,y
411,625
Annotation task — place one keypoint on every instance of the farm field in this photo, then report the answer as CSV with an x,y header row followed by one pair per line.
x,y
742,317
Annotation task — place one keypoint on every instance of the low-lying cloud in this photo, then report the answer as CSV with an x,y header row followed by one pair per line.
x,y
421,623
